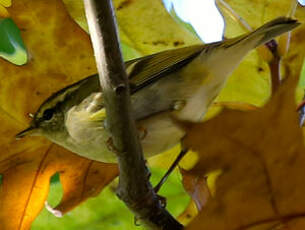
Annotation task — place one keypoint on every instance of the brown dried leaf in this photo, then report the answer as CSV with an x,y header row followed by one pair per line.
x,y
26,183
261,155
196,187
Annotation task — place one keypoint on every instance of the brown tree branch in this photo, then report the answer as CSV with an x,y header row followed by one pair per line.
x,y
134,187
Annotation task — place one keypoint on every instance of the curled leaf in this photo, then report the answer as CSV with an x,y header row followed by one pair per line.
x,y
196,187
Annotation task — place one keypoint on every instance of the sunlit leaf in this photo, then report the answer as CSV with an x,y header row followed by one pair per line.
x,y
250,82
60,54
155,31
189,214
6,3
32,171
3,11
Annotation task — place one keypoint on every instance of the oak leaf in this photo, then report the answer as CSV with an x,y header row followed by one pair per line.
x,y
261,156
60,53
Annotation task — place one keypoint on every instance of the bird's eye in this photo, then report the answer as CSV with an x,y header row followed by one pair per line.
x,y
48,114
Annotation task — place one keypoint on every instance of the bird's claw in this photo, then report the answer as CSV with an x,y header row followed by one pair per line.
x,y
110,145
142,132
162,201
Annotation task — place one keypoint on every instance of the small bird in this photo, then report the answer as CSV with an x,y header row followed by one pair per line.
x,y
178,84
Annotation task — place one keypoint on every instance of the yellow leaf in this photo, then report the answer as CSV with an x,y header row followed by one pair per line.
x,y
156,31
6,3
60,54
188,214
3,12
250,82
26,179
189,160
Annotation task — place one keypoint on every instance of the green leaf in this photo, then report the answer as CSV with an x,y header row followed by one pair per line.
x,y
11,44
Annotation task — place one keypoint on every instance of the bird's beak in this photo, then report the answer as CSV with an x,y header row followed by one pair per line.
x,y
30,131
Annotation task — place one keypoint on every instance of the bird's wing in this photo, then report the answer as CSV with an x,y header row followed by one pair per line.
x,y
141,72
146,70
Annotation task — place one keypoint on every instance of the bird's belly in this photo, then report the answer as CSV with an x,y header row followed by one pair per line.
x,y
157,133
91,142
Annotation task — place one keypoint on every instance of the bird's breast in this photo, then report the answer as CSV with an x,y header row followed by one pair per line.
x,y
92,140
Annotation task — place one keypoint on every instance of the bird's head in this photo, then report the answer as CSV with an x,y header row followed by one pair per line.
x,y
49,120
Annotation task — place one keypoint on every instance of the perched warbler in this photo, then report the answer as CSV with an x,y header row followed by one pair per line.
x,y
166,86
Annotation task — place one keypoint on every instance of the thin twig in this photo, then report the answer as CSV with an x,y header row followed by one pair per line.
x,y
230,12
134,187
284,40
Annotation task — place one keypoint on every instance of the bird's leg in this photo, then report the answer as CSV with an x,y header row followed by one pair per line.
x,y
142,132
110,146
171,168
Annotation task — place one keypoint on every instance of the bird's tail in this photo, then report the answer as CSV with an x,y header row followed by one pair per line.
x,y
266,32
